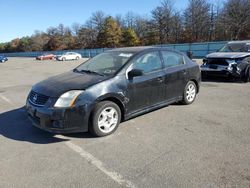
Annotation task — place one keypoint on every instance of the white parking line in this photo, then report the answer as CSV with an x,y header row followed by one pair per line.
x,y
98,164
6,99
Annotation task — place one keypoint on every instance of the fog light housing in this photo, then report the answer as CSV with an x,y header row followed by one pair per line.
x,y
57,124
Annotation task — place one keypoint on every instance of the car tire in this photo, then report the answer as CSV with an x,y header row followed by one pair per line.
x,y
3,61
77,58
105,119
189,93
63,59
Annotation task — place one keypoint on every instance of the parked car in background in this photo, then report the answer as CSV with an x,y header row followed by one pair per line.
x,y
111,87
227,61
45,56
3,59
69,56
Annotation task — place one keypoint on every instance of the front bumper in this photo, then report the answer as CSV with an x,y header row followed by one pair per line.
x,y
214,72
55,120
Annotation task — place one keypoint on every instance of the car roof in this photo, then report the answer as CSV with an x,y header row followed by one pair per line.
x,y
239,42
137,49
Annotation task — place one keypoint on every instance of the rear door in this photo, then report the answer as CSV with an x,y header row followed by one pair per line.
x,y
148,89
175,74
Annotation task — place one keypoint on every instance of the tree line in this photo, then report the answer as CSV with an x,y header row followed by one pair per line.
x,y
200,21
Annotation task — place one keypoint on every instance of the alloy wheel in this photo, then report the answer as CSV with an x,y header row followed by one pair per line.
x,y
190,92
108,120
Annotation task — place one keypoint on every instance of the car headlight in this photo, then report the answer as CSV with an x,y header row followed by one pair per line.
x,y
231,61
67,99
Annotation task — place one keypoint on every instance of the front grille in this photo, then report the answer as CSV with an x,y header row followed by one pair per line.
x,y
217,61
38,99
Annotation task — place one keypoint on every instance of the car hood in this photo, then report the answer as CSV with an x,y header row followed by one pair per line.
x,y
229,55
57,85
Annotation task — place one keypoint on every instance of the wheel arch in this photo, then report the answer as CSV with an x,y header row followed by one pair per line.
x,y
113,99
118,102
196,83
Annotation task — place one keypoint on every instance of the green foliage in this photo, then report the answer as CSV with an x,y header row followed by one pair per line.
x,y
110,34
54,43
2,47
129,37
24,44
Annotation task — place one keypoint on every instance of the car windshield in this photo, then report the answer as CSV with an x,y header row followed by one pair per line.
x,y
107,63
235,47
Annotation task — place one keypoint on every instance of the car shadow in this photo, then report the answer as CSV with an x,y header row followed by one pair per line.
x,y
15,125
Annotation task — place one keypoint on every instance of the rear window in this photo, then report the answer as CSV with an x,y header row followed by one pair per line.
x,y
172,59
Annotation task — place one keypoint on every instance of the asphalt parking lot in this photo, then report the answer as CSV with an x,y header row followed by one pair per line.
x,y
206,144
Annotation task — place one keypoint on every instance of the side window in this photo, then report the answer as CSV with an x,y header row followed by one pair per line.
x,y
172,59
148,62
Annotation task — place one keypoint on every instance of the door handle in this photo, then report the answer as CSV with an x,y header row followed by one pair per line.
x,y
184,72
160,79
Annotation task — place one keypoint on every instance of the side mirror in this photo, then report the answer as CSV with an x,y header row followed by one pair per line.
x,y
134,73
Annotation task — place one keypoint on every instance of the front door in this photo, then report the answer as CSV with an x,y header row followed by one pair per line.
x,y
148,89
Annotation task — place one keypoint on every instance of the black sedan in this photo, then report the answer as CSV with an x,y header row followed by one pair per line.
x,y
3,59
112,87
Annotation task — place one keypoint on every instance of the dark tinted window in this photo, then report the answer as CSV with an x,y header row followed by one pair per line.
x,y
235,47
172,59
148,62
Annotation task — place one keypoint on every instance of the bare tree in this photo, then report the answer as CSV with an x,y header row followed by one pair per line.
x,y
75,28
120,20
130,20
98,19
236,14
197,19
177,28
162,20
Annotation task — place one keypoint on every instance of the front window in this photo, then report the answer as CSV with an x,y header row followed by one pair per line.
x,y
107,63
148,62
235,47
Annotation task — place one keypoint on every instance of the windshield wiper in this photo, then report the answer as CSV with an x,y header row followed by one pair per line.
x,y
88,71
